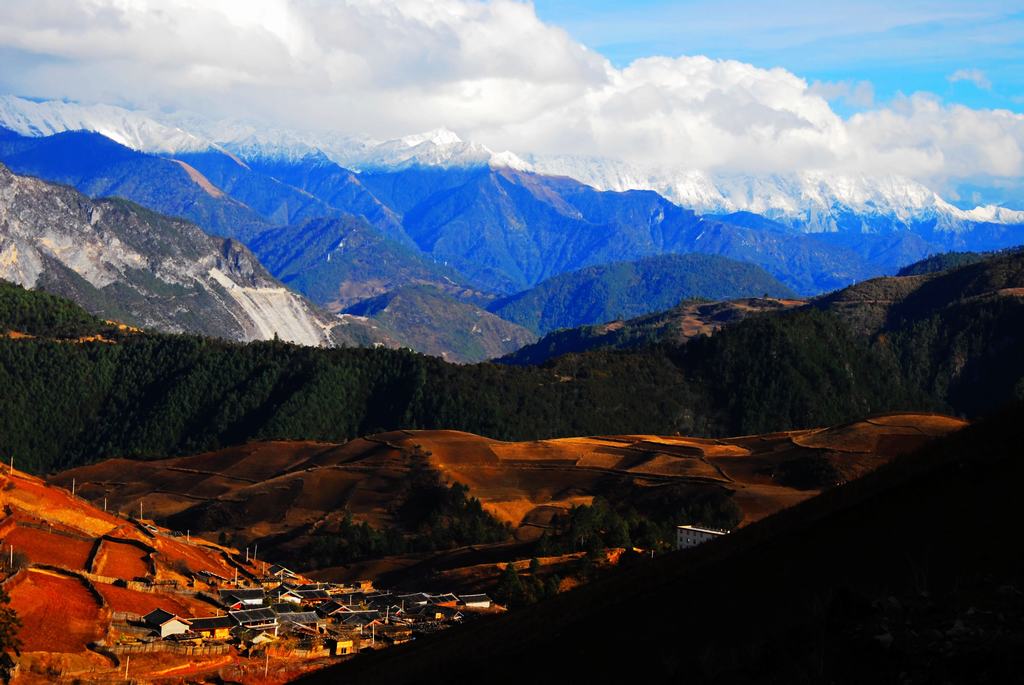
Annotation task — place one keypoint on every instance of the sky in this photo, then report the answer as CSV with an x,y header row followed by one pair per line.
x,y
967,51
930,89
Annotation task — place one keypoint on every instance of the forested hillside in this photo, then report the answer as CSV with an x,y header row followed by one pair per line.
x,y
955,345
623,290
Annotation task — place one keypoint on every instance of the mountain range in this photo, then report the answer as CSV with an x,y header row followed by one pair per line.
x,y
360,225
813,201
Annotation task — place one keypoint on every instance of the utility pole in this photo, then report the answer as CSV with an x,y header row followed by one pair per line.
x,y
266,665
127,661
104,504
188,535
247,555
140,508
72,487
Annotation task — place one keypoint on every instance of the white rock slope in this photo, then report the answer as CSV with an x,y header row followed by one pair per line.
x,y
122,262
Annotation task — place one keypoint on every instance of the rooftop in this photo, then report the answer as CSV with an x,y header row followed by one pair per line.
x,y
709,531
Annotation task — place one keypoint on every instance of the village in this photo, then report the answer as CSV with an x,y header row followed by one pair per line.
x,y
98,592
285,616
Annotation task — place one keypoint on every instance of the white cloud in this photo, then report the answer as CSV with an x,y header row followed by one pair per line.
x,y
493,72
975,76
860,94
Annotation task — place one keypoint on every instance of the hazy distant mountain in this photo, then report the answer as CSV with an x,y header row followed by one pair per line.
x,y
623,290
123,262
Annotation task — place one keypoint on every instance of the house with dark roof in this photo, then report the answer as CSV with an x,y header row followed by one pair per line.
x,y
302,618
255,619
447,599
360,620
310,597
283,594
282,573
213,627
242,598
331,607
165,623
475,601
414,599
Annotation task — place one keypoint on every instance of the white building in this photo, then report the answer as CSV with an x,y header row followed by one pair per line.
x,y
691,536
165,623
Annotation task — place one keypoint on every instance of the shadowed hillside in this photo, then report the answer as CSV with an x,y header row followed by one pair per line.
x,y
897,577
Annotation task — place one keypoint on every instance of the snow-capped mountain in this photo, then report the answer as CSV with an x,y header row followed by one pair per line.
x,y
132,129
438,148
810,201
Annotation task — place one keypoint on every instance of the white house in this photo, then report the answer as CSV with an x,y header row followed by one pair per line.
x,y
691,536
165,623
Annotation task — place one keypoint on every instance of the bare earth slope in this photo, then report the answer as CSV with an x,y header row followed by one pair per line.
x,y
83,576
280,492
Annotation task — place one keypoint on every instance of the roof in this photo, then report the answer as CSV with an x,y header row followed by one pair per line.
x,y
300,617
709,531
253,616
312,594
283,607
468,599
309,586
159,617
329,607
278,569
212,623
448,597
416,597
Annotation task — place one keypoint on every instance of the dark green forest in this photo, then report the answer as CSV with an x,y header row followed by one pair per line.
x,y
65,403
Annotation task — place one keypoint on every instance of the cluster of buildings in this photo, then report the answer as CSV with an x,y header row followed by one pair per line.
x,y
318,619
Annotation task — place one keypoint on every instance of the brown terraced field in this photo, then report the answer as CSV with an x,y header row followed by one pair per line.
x,y
73,562
281,491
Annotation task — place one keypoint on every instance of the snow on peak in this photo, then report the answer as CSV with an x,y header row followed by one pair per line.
x,y
993,214
439,136
810,200
129,128
509,160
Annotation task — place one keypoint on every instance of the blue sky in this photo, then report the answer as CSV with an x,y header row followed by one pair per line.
x,y
898,46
